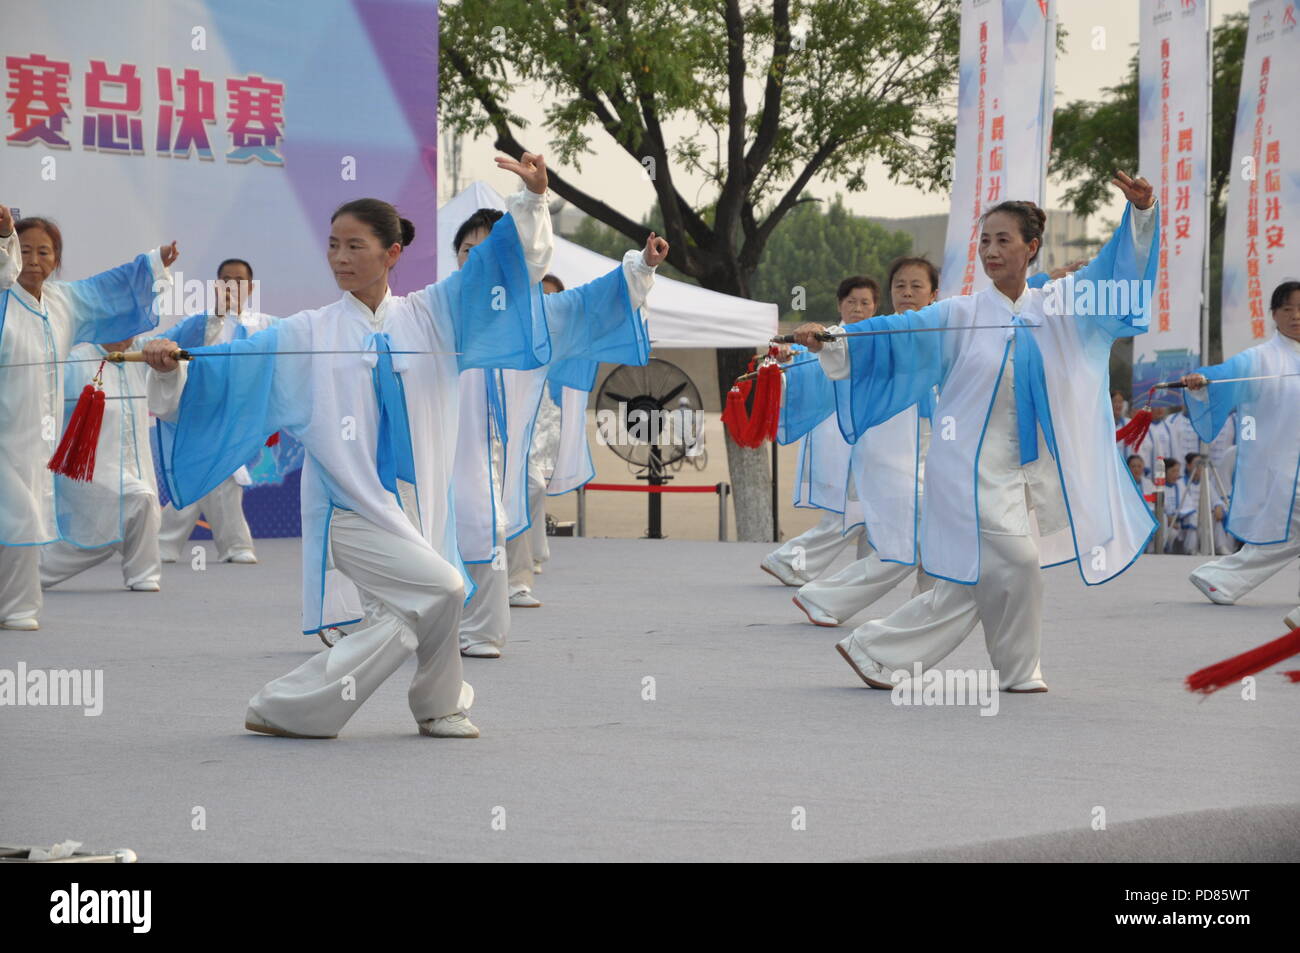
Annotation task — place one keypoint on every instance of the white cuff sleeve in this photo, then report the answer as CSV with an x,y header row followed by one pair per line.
x,y
1143,222
640,277
834,355
533,222
164,392
11,260
162,276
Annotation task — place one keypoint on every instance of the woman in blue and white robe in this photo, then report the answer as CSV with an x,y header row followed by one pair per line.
x,y
378,423
594,322
1264,512
822,479
887,472
40,321
117,511
1024,471
232,320
886,467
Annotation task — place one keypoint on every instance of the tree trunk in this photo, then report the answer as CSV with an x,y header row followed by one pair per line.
x,y
750,470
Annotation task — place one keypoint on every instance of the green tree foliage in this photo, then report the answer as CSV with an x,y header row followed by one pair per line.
x,y
814,249
843,83
773,94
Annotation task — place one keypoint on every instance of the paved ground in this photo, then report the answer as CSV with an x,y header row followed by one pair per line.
x,y
755,723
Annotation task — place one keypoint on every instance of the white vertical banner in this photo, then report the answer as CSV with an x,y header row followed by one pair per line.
x,y
1261,246
1004,123
1173,70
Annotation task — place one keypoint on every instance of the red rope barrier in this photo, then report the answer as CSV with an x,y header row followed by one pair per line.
x,y
628,488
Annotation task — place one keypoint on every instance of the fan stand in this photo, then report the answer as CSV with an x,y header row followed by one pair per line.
x,y
657,474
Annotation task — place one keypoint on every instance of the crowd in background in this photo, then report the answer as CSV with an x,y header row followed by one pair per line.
x,y
1171,445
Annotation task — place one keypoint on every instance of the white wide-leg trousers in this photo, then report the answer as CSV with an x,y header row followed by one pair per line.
x,y
413,599
809,554
138,547
487,616
1007,600
224,508
1238,573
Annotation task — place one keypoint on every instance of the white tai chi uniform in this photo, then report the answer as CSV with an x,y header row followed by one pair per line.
x,y
1264,512
526,551
492,504
808,555
558,463
1190,516
1160,443
542,458
979,535
378,421
124,491
885,461
822,479
224,506
111,306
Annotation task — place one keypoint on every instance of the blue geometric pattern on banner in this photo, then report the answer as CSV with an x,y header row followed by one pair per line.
x,y
272,510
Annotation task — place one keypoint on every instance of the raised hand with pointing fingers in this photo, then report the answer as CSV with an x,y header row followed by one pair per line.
x,y
530,167
655,251
1139,191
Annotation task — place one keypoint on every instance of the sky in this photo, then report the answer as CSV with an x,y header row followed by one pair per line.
x,y
1082,72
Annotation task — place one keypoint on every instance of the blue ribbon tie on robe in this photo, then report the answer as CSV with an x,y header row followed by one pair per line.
x,y
394,455
1031,395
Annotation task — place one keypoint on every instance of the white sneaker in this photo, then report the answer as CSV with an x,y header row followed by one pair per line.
x,y
255,722
537,569
451,726
331,635
1029,687
1292,619
774,567
868,670
1212,592
816,616
524,600
480,650
147,586
29,624
244,557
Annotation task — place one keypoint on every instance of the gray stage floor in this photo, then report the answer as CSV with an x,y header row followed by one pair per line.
x,y
755,719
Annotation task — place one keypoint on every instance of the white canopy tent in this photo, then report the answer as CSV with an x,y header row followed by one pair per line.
x,y
679,314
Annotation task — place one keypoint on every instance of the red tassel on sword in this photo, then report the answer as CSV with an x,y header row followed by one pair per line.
x,y
1213,677
75,456
750,428
1135,431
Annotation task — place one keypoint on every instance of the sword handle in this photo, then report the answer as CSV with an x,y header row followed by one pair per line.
x,y
137,357
790,338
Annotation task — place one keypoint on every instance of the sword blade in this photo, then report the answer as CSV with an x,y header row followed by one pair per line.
x,y
137,357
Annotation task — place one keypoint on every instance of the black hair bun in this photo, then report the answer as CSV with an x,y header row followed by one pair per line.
x,y
1039,215
408,232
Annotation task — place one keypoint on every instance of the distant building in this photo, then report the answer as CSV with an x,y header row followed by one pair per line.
x,y
1066,238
